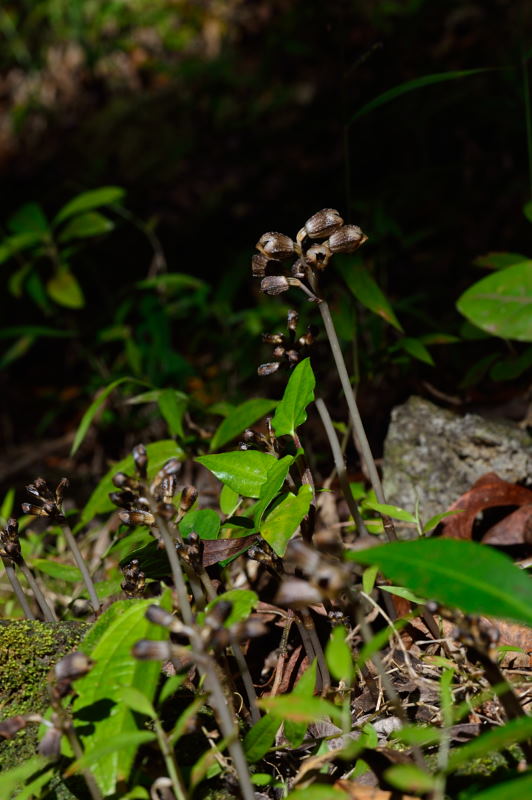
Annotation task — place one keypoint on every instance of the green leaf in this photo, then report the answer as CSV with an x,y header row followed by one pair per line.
x,y
243,602
93,409
108,749
339,656
34,330
205,522
366,290
317,791
30,218
516,789
400,591
244,471
499,260
173,281
300,709
12,778
90,224
527,210
62,572
6,508
241,418
271,487
415,348
464,574
410,86
409,778
283,521
369,577
421,735
261,737
512,366
18,243
295,731
115,669
291,410
390,511
437,518
515,731
170,687
64,288
172,406
229,501
501,303
94,198
137,701
158,454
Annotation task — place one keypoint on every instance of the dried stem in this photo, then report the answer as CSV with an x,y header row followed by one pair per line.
x,y
81,565
17,588
48,612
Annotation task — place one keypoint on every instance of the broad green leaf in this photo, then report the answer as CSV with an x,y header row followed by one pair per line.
x,y
107,749
300,709
414,348
12,778
515,731
464,574
285,518
64,288
158,454
366,290
390,511
271,487
410,86
317,791
261,737
94,198
17,243
229,501
369,577
172,406
243,602
244,471
241,418
114,670
137,701
339,656
54,569
170,687
421,735
30,218
291,410
205,522
527,210
499,260
516,789
93,409
295,731
501,303
511,367
410,778
90,224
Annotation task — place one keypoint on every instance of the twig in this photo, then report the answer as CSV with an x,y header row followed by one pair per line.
x,y
48,612
17,588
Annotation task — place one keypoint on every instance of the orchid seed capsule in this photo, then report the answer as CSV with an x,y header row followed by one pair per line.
x,y
323,223
346,239
140,457
318,256
159,616
274,284
273,338
292,320
73,666
268,369
148,650
136,517
259,262
189,496
275,246
299,269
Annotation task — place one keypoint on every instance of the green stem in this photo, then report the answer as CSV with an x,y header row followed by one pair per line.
x,y
172,768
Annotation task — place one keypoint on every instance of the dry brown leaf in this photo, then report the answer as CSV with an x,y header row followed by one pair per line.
x,y
514,635
516,528
357,791
215,550
488,492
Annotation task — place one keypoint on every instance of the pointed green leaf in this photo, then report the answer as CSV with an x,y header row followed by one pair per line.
x,y
261,737
305,686
410,86
30,218
93,409
410,778
300,709
110,748
94,198
137,701
318,791
291,410
271,487
285,518
390,511
64,288
243,602
527,210
61,572
366,290
90,224
241,418
515,731
229,501
18,243
205,522
244,471
415,348
339,655
501,303
172,406
470,576
437,518
12,778
516,789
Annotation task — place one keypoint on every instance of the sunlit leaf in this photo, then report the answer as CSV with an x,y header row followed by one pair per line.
x,y
64,288
300,709
172,406
410,778
244,471
205,522
62,572
137,701
299,392
293,730
271,486
285,518
390,511
241,418
339,655
243,602
86,225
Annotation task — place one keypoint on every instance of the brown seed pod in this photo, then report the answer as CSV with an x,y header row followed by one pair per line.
x,y
140,457
323,223
274,284
268,369
318,256
73,666
346,239
148,650
275,246
259,262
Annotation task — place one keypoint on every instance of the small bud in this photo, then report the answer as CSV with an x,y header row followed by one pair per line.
x,y
259,262
268,369
292,320
293,357
218,614
274,284
60,489
9,727
279,352
147,650
121,480
323,223
50,744
134,583
299,269
318,256
73,666
159,616
188,498
35,511
275,246
42,488
347,239
273,338
140,457
136,517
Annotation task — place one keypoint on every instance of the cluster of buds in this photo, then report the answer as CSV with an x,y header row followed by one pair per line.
x,y
10,543
134,581
320,238
288,349
326,577
51,503
213,633
68,669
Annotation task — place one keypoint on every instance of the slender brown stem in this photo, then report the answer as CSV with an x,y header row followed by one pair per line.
x,y
82,566
17,588
48,612
172,767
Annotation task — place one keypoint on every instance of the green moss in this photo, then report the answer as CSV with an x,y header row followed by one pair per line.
x,y
28,650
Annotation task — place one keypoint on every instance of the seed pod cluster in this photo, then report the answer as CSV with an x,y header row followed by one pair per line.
x,y
289,349
51,503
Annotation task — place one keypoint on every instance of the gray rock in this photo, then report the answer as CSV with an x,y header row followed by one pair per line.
x,y
433,456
